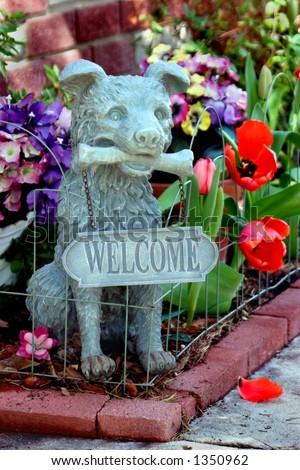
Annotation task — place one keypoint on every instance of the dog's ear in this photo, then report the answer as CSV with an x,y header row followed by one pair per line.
x,y
79,75
173,77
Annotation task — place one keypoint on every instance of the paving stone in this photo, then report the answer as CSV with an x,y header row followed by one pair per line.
x,y
139,420
285,305
49,412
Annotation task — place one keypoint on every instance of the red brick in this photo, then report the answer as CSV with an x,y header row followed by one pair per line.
x,y
32,76
3,86
188,405
259,337
26,6
211,380
51,33
296,285
98,21
139,420
130,11
50,412
116,56
63,58
286,305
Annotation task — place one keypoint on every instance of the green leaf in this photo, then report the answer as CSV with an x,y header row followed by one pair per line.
x,y
258,112
169,197
166,316
288,176
222,284
292,241
193,198
251,86
273,104
181,337
211,225
3,69
283,204
281,136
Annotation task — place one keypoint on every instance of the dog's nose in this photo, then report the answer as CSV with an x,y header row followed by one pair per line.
x,y
147,138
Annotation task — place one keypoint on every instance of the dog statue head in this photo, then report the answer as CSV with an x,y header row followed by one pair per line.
x,y
131,114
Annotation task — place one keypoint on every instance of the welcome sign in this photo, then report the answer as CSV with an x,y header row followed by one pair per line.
x,y
120,258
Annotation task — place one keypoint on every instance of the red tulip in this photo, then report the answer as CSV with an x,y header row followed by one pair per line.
x,y
258,389
261,243
204,170
257,161
297,73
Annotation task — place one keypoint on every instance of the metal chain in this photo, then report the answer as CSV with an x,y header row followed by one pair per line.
x,y
182,201
88,199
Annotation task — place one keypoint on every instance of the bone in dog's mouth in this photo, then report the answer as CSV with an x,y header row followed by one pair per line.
x,y
131,167
100,142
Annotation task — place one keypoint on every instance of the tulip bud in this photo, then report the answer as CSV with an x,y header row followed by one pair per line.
x,y
292,10
204,170
264,82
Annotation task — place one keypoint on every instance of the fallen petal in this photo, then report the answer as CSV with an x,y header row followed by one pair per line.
x,y
256,390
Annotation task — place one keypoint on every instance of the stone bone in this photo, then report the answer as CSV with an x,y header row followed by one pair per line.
x,y
178,163
130,115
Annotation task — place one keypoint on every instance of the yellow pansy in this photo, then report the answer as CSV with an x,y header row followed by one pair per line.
x,y
189,126
158,53
196,89
179,55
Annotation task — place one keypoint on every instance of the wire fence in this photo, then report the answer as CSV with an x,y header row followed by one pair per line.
x,y
252,289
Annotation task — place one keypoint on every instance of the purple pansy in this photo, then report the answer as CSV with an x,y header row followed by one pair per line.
x,y
33,159
214,85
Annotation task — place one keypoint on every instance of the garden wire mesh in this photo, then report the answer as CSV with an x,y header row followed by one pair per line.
x,y
254,289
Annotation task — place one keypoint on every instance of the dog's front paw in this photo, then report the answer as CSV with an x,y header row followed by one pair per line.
x,y
97,367
157,362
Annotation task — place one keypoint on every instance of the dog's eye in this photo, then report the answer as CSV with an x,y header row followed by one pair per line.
x,y
116,115
161,114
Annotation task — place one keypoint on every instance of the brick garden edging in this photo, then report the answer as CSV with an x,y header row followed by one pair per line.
x,y
240,353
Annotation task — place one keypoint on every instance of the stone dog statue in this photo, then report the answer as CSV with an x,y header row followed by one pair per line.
x,y
120,128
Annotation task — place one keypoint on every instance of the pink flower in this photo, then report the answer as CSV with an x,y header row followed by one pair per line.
x,y
29,150
65,118
204,170
30,172
39,343
180,108
12,201
20,138
10,151
5,183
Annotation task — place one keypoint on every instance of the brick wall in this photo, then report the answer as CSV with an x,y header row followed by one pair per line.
x,y
60,31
